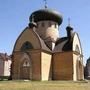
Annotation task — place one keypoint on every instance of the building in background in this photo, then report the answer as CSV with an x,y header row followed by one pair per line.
x,y
87,69
41,54
5,64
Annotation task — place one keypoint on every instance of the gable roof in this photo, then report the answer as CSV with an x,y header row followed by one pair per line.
x,y
39,40
64,44
4,56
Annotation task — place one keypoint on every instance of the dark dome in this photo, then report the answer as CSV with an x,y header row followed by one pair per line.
x,y
46,14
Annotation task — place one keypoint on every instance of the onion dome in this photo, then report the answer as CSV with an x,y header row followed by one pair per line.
x,y
69,31
46,14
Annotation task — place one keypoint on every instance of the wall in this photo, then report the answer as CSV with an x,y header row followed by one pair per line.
x,y
77,59
45,66
62,66
35,64
78,68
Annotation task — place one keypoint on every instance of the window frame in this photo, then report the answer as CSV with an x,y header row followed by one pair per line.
x,y
26,46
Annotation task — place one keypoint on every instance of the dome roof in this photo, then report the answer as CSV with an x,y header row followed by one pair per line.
x,y
46,14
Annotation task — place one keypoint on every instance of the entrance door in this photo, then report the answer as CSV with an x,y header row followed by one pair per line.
x,y
25,70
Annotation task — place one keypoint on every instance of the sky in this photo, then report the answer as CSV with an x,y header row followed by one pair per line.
x,y
14,17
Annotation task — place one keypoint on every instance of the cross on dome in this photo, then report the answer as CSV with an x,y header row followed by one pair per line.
x,y
69,21
45,1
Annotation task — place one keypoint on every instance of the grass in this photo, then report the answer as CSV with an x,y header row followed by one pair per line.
x,y
46,85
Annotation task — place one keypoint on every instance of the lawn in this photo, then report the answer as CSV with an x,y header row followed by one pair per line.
x,y
46,85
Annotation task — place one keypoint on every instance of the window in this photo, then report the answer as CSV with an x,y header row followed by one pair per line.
x,y
77,49
26,46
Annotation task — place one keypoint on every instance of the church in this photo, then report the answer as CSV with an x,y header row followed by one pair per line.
x,y
41,54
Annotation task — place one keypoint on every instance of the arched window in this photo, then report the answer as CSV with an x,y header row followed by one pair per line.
x,y
26,46
26,63
77,49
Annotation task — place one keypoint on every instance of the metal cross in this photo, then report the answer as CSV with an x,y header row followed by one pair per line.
x,y
68,21
45,1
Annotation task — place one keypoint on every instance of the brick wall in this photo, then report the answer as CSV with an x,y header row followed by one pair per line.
x,y
62,66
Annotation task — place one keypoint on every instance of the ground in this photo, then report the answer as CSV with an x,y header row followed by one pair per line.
x,y
46,85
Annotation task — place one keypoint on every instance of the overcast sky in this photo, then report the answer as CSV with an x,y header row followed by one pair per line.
x,y
14,17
